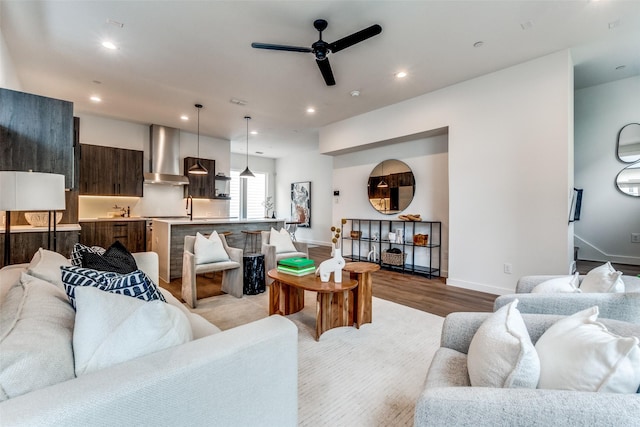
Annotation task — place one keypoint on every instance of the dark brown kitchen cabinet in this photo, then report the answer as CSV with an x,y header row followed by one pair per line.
x,y
108,171
103,233
200,186
25,245
36,133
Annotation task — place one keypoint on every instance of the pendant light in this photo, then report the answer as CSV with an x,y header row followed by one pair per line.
x,y
247,173
382,183
198,169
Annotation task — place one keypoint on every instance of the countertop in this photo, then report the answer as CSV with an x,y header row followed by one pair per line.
x,y
118,218
32,229
196,221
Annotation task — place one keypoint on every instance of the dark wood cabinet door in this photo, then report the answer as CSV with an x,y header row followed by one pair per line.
x,y
104,233
108,171
129,179
36,133
136,236
200,186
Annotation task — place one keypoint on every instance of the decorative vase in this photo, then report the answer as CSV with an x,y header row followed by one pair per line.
x,y
339,265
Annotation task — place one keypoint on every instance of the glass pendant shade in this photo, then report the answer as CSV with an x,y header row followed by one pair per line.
x,y
198,169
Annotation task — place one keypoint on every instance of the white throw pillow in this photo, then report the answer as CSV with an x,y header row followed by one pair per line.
x,y
578,353
603,279
46,265
111,328
209,250
282,241
567,284
501,353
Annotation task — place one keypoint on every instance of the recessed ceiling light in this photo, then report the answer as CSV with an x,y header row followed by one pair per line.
x,y
259,152
311,110
354,93
237,101
614,24
621,67
184,117
254,132
478,44
115,23
526,25
109,45
401,74
96,98
98,82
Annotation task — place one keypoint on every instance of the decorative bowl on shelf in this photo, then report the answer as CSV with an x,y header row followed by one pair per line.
x,y
41,219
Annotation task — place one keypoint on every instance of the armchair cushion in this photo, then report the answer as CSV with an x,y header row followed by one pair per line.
x,y
576,345
282,241
501,353
603,279
209,250
111,328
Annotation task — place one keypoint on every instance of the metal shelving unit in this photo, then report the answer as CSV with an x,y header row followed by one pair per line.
x,y
371,237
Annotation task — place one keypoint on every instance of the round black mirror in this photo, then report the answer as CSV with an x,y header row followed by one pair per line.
x,y
391,187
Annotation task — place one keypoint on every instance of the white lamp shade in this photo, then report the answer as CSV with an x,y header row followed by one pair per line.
x,y
31,191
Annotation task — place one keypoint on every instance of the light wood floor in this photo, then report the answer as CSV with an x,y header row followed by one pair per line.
x,y
430,295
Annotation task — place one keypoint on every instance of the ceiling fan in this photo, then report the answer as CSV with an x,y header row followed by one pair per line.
x,y
321,48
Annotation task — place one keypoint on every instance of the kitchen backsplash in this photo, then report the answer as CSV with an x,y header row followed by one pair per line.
x,y
158,200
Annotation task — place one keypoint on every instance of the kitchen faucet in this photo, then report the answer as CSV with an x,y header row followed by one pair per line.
x,y
190,206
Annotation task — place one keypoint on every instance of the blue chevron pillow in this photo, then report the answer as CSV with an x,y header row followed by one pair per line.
x,y
136,284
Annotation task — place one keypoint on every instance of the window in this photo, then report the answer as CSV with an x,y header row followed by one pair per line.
x,y
248,195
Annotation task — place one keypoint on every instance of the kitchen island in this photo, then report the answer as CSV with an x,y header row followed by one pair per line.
x,y
168,237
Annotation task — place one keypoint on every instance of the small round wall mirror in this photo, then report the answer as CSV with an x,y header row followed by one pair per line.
x,y
391,187
628,180
628,146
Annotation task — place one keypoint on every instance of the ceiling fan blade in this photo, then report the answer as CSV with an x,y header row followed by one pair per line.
x,y
354,38
325,69
281,47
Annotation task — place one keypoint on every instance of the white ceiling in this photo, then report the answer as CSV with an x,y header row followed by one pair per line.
x,y
173,54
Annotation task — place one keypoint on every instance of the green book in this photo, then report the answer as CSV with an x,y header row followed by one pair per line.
x,y
296,262
299,271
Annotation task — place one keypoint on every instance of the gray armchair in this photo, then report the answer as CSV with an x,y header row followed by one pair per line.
x,y
231,271
271,258
618,306
449,400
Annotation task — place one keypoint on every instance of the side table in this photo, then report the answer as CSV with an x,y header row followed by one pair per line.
x,y
253,274
361,271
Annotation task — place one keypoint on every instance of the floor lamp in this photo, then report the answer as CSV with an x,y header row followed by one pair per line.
x,y
29,191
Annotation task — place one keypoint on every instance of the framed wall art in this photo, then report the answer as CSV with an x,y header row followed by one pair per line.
x,y
301,203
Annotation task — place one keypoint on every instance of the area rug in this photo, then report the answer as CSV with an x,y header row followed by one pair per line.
x,y
370,376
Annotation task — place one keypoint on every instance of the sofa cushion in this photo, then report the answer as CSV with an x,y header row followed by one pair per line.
x,y
116,259
603,279
136,284
46,265
209,250
501,353
282,241
568,284
111,328
79,250
36,324
200,327
577,345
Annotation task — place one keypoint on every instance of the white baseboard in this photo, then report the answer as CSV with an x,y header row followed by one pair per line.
x,y
479,287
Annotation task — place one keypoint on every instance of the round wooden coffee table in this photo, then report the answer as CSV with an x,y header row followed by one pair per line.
x,y
335,302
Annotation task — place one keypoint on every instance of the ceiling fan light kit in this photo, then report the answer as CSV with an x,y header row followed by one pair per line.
x,y
321,49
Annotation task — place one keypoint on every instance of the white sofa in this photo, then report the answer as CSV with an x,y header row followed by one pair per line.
x,y
243,376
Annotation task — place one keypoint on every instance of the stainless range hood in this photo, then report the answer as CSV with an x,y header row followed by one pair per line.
x,y
164,152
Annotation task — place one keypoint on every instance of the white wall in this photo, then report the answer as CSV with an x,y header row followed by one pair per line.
x,y
8,76
428,160
608,217
158,200
510,167
317,169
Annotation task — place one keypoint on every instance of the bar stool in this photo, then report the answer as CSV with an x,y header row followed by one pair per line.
x,y
253,237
